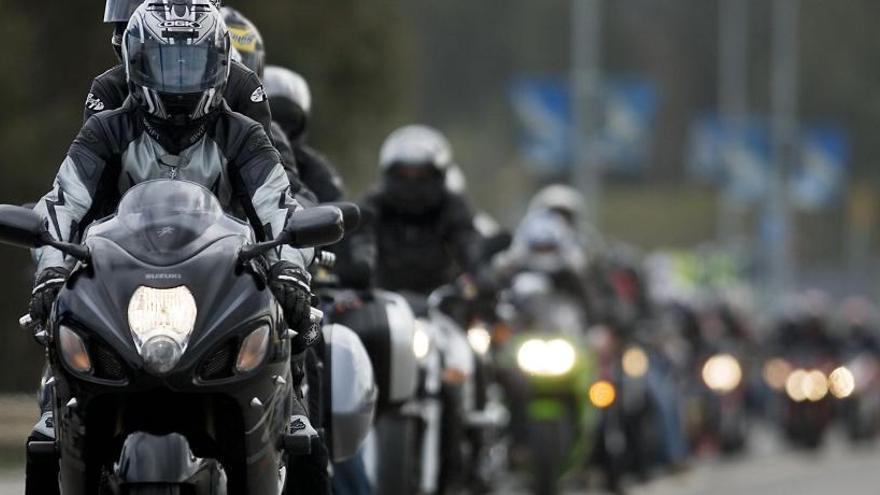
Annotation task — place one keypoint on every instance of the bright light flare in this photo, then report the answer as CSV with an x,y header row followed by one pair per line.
x,y
635,362
841,382
804,385
162,312
480,339
722,373
546,358
776,372
421,342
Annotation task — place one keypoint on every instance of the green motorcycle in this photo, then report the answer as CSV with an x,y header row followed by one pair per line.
x,y
550,371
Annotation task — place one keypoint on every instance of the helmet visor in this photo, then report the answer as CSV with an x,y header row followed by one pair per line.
x,y
177,68
120,10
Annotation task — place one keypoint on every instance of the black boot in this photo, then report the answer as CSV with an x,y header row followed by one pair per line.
x,y
308,459
41,473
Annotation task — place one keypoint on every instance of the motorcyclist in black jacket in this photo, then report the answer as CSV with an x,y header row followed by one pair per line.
x,y
244,90
175,124
419,235
249,50
291,102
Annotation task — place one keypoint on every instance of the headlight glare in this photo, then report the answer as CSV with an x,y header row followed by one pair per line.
x,y
635,362
73,350
480,339
546,358
421,341
163,317
170,312
842,382
722,373
253,350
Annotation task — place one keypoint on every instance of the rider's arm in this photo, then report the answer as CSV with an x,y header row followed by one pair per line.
x,y
462,234
76,184
247,97
319,175
265,192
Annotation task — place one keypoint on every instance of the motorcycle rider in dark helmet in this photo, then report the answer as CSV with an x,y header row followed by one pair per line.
x,y
175,124
291,102
249,50
420,236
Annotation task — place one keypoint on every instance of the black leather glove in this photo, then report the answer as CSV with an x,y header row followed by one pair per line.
x,y
46,287
290,284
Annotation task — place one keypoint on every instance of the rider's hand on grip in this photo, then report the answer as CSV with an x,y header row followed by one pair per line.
x,y
46,287
290,285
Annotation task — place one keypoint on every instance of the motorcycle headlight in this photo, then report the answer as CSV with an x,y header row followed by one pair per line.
x,y
794,385
842,382
722,373
253,350
421,341
161,322
480,339
804,385
635,362
776,372
73,350
546,358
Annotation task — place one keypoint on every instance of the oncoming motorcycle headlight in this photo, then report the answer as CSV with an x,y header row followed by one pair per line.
x,y
421,341
842,382
546,357
73,350
635,362
722,373
253,350
161,322
480,339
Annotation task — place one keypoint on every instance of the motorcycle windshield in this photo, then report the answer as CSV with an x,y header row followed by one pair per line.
x,y
164,222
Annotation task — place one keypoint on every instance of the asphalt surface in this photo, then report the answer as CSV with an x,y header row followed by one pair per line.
x,y
769,468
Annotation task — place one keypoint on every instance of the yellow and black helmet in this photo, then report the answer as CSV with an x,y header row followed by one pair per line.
x,y
246,39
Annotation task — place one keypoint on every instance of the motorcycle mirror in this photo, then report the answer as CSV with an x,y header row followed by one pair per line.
x,y
23,227
351,214
497,243
314,227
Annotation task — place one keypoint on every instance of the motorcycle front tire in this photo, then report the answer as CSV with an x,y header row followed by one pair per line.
x,y
158,489
548,442
398,446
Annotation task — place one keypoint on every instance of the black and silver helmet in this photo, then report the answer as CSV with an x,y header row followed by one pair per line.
x,y
121,10
290,99
176,55
118,12
246,40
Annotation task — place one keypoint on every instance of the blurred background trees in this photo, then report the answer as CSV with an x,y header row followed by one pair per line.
x,y
376,65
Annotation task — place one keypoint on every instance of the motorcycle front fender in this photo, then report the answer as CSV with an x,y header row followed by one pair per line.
x,y
167,459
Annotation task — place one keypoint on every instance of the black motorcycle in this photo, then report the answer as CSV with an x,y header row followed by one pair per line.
x,y
169,356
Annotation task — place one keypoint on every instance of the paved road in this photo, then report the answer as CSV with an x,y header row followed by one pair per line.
x,y
772,469
769,469
838,469
11,484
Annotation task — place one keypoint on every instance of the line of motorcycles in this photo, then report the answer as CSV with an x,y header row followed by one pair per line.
x,y
170,370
